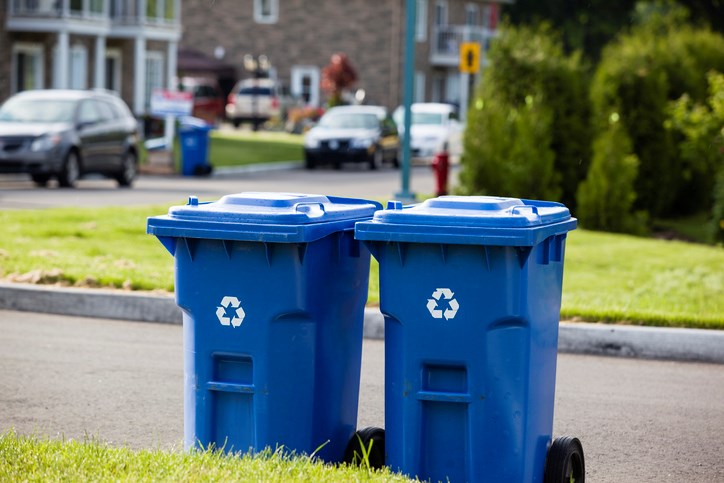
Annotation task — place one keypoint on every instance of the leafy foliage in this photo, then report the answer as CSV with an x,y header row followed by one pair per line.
x,y
639,74
606,197
337,76
528,131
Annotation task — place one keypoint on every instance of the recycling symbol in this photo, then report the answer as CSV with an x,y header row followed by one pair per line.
x,y
434,307
230,306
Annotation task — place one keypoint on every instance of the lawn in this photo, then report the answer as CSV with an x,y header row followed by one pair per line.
x,y
24,458
611,278
234,148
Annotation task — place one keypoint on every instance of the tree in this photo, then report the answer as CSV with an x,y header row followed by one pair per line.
x,y
338,76
528,127
639,74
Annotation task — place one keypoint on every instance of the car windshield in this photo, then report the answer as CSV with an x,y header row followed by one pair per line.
x,y
429,118
349,120
37,110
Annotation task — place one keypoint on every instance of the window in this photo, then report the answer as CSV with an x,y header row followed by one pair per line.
x,y
472,17
440,12
27,67
421,21
305,84
154,74
78,67
438,88
113,70
266,11
419,87
452,88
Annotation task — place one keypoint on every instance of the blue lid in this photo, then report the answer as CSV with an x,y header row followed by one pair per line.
x,y
469,220
264,217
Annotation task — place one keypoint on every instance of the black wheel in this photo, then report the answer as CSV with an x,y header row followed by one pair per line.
x,y
377,158
309,161
366,445
396,159
70,171
565,462
129,168
236,123
40,180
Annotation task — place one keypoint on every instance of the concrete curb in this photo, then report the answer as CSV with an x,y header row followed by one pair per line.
x,y
255,168
579,338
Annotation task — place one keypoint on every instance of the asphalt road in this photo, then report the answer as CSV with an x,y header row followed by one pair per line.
x,y
122,382
18,191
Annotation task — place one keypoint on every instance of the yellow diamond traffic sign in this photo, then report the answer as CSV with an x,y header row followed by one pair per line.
x,y
469,57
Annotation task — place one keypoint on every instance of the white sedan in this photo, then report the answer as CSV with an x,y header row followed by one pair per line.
x,y
434,127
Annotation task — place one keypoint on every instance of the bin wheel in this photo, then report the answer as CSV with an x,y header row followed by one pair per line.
x,y
565,462
373,441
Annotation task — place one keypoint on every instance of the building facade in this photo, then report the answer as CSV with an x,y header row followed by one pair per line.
x,y
125,46
299,37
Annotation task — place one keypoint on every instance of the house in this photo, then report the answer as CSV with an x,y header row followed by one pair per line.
x,y
125,46
299,37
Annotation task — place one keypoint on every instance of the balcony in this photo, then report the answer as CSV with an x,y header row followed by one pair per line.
x,y
155,19
446,39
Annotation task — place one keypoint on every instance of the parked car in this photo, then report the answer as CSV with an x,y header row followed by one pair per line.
x,y
65,134
207,98
434,127
363,134
256,101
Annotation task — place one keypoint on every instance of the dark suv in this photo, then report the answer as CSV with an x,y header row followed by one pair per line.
x,y
65,134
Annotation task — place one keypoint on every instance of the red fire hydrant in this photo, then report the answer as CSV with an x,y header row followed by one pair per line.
x,y
441,167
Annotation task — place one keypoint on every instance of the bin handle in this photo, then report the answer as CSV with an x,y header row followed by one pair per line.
x,y
516,209
311,209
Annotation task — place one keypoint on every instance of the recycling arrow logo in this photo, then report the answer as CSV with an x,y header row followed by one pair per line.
x,y
230,312
433,304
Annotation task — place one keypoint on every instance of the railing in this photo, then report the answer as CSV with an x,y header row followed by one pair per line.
x,y
83,9
446,40
119,12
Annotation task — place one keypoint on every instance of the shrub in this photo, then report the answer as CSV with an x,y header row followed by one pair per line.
x,y
606,198
639,74
528,132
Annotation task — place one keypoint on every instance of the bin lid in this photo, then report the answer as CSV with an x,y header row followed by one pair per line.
x,y
263,217
469,220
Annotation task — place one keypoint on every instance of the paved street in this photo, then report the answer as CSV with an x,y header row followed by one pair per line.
x,y
353,181
639,420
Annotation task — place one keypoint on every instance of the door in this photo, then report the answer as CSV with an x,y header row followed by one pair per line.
x,y
305,84
92,136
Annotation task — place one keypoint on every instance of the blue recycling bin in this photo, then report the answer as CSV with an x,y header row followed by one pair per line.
x,y
272,287
194,139
470,288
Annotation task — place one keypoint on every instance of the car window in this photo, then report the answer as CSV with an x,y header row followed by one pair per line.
x,y
105,111
255,91
428,118
349,120
37,110
88,114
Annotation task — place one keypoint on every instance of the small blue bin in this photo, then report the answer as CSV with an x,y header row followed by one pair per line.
x,y
470,288
273,288
194,140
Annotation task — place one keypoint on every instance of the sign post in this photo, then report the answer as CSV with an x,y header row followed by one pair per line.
x,y
405,195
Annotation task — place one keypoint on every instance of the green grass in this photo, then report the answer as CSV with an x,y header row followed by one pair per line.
x,y
611,278
235,148
25,458
695,228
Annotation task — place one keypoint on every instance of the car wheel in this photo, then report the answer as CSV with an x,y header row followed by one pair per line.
x,y
129,168
236,123
396,159
376,158
70,172
40,180
309,161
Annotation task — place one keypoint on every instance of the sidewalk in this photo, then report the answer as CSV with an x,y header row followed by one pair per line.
x,y
581,338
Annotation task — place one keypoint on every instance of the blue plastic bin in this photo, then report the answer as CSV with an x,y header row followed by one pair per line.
x,y
273,288
470,288
194,140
